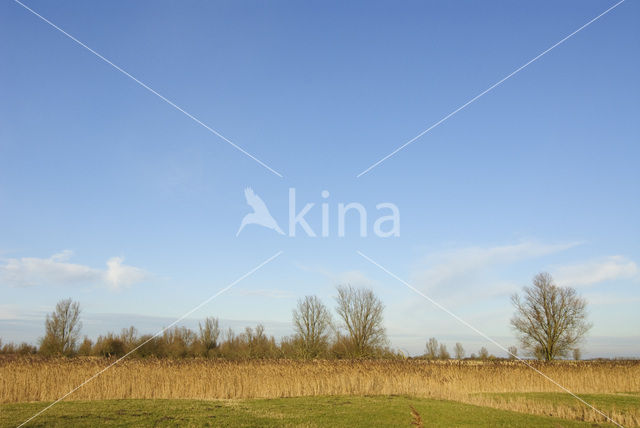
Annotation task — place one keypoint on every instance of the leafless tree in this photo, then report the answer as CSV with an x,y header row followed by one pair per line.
x,y
178,341
483,354
209,333
459,351
361,314
549,320
513,352
62,329
577,354
129,336
312,323
85,347
443,353
230,335
431,350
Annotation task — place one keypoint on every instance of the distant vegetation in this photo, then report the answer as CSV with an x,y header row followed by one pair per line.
x,y
341,353
549,322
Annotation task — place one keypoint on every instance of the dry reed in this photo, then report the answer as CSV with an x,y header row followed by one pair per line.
x,y
37,379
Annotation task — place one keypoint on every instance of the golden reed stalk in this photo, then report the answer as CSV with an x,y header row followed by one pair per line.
x,y
38,379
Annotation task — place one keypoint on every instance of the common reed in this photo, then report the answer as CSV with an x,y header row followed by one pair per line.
x,y
39,379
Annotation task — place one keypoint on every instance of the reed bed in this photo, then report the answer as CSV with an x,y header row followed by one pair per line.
x,y
38,379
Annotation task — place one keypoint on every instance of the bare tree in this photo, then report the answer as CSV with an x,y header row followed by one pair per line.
x,y
230,335
431,350
178,341
85,347
513,352
483,354
312,323
129,337
361,314
577,354
549,320
62,329
443,353
209,334
459,351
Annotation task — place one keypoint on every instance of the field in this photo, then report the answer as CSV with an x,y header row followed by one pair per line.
x,y
302,411
201,392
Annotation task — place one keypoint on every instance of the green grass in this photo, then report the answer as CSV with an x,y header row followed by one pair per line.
x,y
607,403
357,411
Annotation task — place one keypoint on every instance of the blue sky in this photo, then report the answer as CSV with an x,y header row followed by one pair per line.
x,y
111,196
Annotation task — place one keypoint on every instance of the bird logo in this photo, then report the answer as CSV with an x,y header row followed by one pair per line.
x,y
260,214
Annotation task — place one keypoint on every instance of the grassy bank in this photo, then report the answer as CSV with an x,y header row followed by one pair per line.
x,y
378,411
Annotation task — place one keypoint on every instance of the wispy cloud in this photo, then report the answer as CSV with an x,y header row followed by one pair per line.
x,y
29,271
58,271
271,293
603,299
12,312
8,312
462,268
119,275
355,278
595,271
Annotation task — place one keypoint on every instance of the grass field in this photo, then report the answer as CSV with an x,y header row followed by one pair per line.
x,y
235,391
358,411
621,403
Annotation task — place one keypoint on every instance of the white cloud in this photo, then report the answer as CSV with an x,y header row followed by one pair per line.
x,y
602,299
462,267
596,271
28,271
8,312
15,313
119,275
461,278
57,270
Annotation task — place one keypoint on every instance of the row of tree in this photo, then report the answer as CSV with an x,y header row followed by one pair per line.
x,y
439,351
549,321
360,333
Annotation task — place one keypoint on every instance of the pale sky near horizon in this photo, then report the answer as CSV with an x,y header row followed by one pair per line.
x,y
112,197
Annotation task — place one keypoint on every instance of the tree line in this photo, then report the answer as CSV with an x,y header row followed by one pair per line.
x,y
549,321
